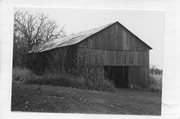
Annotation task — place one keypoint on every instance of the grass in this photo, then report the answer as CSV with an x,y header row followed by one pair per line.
x,y
26,76
36,98
53,92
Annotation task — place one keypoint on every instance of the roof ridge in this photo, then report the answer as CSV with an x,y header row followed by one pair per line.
x,y
76,38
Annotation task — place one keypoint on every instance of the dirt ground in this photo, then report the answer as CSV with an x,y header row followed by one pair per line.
x,y
34,98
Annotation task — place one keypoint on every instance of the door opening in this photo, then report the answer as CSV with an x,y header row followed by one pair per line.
x,y
117,74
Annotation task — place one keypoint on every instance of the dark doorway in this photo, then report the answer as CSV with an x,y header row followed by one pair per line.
x,y
117,74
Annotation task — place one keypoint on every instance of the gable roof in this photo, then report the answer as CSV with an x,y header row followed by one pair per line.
x,y
74,39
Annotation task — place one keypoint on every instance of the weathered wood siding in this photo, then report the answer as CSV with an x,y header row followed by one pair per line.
x,y
52,60
114,37
138,75
116,46
114,57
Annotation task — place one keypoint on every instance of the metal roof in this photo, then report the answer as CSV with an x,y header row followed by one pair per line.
x,y
68,40
72,39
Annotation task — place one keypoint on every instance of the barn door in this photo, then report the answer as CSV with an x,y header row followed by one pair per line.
x,y
121,76
118,74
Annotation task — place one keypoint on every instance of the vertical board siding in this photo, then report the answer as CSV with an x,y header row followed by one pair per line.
x,y
134,76
138,62
112,57
125,41
137,77
114,37
119,40
135,57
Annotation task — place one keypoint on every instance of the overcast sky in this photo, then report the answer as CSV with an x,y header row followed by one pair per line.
x,y
147,25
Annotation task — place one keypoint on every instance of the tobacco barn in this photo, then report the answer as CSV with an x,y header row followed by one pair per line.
x,y
112,48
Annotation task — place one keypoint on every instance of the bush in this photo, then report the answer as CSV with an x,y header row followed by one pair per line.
x,y
26,76
59,80
23,75
103,85
155,70
155,82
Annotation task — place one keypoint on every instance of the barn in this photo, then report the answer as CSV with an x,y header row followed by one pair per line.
x,y
112,49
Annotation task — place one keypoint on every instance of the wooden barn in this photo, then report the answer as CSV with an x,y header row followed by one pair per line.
x,y
112,49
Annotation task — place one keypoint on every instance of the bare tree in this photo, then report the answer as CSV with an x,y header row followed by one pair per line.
x,y
35,28
31,29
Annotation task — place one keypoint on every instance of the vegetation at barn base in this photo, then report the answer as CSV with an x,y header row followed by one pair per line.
x,y
155,79
155,83
26,76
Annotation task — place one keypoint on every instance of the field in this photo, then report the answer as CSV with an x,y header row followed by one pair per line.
x,y
35,98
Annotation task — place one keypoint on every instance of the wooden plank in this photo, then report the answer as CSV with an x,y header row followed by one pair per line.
x,y
127,57
135,57
112,57
114,38
134,76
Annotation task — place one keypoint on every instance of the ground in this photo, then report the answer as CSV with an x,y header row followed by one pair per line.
x,y
36,98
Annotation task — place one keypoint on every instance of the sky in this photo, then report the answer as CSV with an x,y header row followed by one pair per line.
x,y
147,25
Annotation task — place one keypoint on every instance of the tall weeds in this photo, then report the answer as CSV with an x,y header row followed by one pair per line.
x,y
26,76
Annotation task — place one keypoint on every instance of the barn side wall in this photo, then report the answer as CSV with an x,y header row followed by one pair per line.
x,y
114,57
115,46
139,75
114,37
138,62
53,60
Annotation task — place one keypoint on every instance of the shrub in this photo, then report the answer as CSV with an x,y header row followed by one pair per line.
x,y
103,85
59,80
23,75
155,70
155,82
26,76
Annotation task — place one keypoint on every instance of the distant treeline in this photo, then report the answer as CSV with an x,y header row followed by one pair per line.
x,y
155,70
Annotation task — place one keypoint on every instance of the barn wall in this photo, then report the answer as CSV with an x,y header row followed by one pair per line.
x,y
138,62
113,46
138,75
114,57
37,62
134,76
52,60
116,46
114,37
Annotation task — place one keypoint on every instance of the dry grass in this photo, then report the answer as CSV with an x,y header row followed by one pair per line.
x,y
26,76
23,75
35,98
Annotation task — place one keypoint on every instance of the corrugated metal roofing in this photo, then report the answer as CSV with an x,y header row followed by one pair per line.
x,y
68,40
72,39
